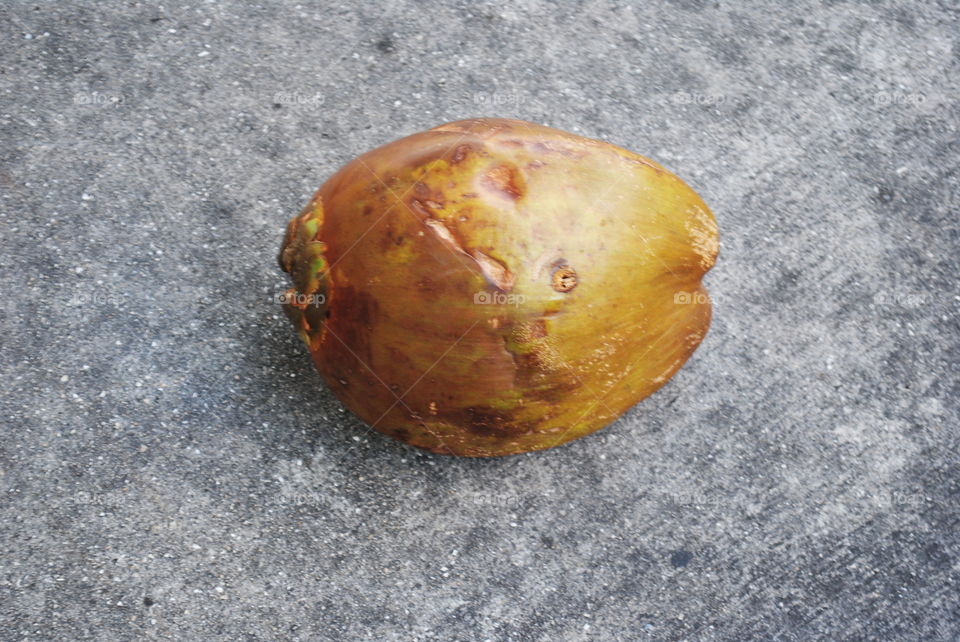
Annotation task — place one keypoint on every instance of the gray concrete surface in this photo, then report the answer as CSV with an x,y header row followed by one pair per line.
x,y
172,467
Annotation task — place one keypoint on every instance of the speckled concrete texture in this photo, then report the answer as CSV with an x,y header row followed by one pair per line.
x,y
173,468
